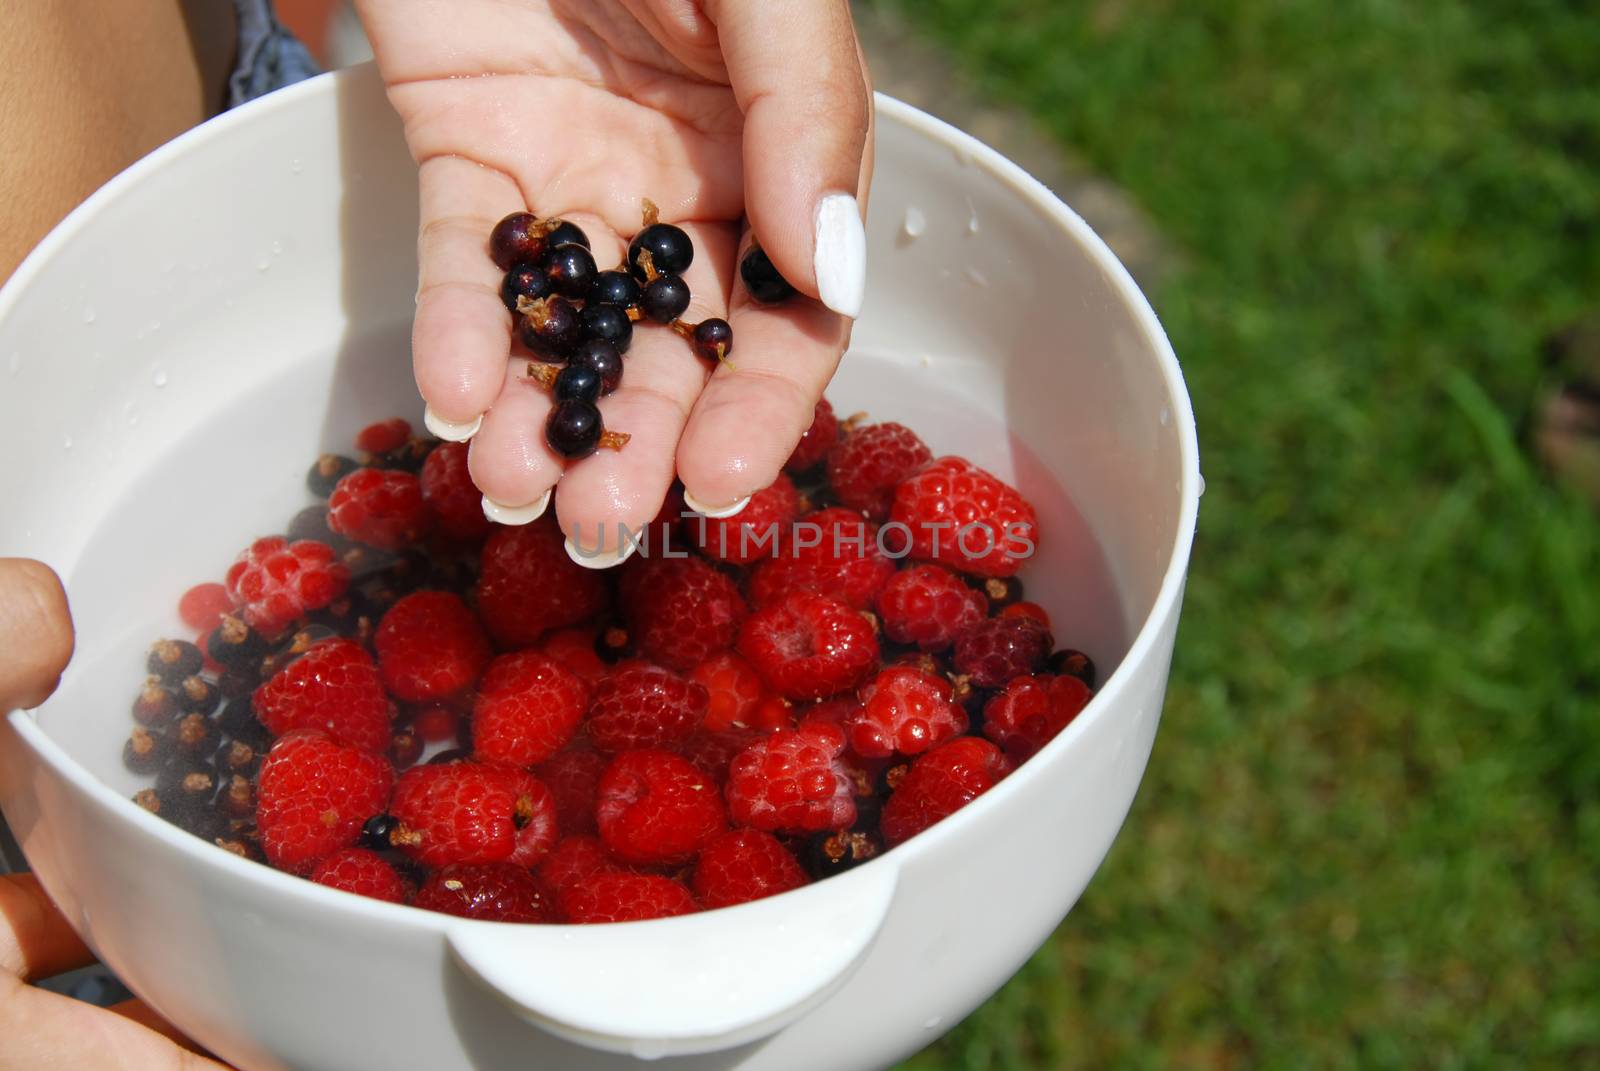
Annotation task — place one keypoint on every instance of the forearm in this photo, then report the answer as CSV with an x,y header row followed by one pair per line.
x,y
88,87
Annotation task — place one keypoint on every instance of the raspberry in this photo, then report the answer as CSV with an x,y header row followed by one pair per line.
x,y
744,865
711,752
905,710
430,647
574,648
638,705
1029,713
313,795
679,610
940,783
575,859
451,496
362,872
836,711
334,687
494,892
819,438
656,807
997,649
203,606
276,581
966,518
469,812
624,897
528,706
845,562
809,646
383,436
527,585
734,688
793,782
865,467
755,532
929,606
573,776
436,723
379,507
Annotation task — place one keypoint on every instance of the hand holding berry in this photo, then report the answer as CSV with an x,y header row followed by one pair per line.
x,y
577,111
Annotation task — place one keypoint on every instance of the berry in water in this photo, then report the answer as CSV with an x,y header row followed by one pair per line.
x,y
762,279
665,298
609,323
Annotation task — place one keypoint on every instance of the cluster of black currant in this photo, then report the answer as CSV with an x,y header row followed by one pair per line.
x,y
577,317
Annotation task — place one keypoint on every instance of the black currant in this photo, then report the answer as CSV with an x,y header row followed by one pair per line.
x,y
574,428
577,381
762,279
602,357
196,695
145,751
610,323
328,470
713,339
570,269
564,232
375,833
1070,663
155,706
665,299
173,660
523,281
614,288
551,327
671,251
517,239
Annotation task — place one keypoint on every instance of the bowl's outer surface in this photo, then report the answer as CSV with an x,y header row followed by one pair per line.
x,y
174,352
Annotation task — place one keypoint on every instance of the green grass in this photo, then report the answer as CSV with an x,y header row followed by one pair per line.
x,y
1370,833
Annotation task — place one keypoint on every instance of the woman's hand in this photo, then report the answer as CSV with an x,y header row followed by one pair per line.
x,y
716,110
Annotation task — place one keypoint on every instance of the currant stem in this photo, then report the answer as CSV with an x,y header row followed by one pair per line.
x,y
614,440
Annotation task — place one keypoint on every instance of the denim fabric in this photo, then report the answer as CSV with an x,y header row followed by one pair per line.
x,y
269,56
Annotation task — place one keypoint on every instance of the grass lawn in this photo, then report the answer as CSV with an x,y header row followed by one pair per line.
x,y
1370,833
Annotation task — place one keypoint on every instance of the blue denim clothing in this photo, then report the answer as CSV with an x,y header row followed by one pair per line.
x,y
269,57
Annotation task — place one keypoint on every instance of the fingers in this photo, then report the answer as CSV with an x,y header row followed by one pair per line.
x,y
44,1031
617,491
35,633
796,72
35,940
461,336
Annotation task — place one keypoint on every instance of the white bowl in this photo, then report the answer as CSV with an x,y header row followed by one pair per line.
x,y
175,352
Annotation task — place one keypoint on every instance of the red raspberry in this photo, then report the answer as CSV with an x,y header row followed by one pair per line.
x,y
436,723
819,438
277,581
712,752
624,897
383,436
810,646
638,705
845,562
774,712
203,606
929,606
573,776
867,464
469,812
527,585
334,687
793,782
574,648
1031,711
905,710
528,706
755,532
494,892
313,795
361,872
940,783
679,611
836,711
454,500
430,647
744,865
734,688
966,518
997,649
575,859
379,507
656,807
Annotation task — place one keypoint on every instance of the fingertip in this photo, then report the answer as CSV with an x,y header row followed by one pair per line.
x,y
460,342
35,632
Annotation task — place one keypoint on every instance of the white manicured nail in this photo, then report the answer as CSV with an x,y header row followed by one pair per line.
x,y
449,430
601,559
500,513
715,511
841,254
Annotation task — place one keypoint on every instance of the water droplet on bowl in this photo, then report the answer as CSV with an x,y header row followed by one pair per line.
x,y
1166,415
295,167
933,1024
277,248
977,277
155,325
263,264
66,443
88,316
1201,477
915,223
159,378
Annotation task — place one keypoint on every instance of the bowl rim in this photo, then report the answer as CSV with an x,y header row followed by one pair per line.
x,y
968,148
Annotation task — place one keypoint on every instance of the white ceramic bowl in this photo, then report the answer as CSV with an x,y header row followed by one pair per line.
x,y
175,352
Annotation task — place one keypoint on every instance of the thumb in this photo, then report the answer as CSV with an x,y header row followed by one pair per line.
x,y
35,633
797,75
